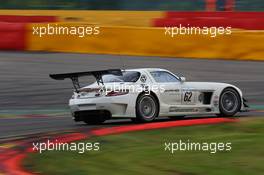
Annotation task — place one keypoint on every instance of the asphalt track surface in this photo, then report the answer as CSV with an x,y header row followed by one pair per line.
x,y
26,87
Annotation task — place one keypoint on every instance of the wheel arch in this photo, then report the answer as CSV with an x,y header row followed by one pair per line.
x,y
239,92
151,93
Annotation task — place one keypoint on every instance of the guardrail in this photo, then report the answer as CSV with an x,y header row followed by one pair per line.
x,y
138,40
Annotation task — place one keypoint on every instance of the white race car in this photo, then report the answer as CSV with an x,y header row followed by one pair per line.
x,y
145,94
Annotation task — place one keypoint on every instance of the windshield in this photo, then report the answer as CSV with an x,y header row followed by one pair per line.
x,y
128,76
163,77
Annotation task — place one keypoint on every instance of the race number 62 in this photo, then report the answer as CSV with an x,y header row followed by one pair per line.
x,y
187,96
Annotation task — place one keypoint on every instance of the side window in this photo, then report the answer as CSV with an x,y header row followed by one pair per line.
x,y
163,77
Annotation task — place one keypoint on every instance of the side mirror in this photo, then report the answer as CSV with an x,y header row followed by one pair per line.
x,y
183,79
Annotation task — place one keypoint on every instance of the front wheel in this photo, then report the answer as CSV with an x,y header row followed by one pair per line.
x,y
147,108
229,103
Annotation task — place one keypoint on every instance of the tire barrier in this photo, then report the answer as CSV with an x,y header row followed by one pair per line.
x,y
13,30
246,23
239,20
240,45
13,36
130,39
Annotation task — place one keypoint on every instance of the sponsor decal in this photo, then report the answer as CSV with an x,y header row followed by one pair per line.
x,y
143,78
172,90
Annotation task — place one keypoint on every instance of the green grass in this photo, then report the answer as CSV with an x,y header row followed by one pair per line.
x,y
143,153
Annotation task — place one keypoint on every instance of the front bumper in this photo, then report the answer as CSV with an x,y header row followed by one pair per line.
x,y
245,107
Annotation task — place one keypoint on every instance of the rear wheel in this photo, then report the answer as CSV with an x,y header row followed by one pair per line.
x,y
147,108
229,103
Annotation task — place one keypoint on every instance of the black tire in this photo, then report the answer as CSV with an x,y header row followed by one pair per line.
x,y
177,117
229,102
147,108
94,120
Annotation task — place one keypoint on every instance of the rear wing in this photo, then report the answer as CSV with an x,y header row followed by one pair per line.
x,y
75,76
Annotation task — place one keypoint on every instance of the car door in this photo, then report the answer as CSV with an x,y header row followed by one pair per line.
x,y
189,95
170,87
171,94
